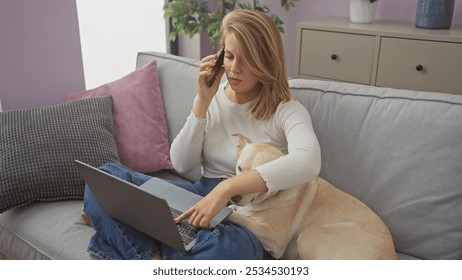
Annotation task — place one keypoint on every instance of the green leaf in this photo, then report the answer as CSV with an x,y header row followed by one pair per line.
x,y
190,17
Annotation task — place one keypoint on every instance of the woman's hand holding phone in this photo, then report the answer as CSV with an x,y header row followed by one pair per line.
x,y
216,68
210,67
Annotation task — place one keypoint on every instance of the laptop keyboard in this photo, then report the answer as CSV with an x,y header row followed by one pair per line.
x,y
187,232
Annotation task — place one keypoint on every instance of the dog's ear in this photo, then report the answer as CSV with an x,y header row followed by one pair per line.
x,y
242,142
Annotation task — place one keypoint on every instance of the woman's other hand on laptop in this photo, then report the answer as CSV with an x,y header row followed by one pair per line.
x,y
203,211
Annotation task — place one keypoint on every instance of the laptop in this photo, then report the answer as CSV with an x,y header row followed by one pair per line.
x,y
150,208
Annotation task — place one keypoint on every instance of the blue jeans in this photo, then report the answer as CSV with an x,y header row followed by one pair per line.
x,y
116,240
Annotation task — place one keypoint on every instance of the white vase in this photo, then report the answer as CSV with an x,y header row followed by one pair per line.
x,y
362,11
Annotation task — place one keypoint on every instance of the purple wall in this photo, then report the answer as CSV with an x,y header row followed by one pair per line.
x,y
386,9
40,56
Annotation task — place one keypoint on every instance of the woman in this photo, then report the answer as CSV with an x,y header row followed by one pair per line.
x,y
256,101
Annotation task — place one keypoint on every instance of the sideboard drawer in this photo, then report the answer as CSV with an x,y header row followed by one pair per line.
x,y
420,65
336,56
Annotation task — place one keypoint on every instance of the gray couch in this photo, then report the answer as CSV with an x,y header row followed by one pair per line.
x,y
398,151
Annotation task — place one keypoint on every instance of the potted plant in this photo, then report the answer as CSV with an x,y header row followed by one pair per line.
x,y
190,17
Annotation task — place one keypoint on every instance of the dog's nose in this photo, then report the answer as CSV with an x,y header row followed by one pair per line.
x,y
236,198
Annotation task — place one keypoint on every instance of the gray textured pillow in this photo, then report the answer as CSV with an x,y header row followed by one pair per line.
x,y
38,147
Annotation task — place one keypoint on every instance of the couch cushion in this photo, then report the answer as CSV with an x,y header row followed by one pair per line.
x,y
139,119
50,230
398,151
38,147
45,231
176,75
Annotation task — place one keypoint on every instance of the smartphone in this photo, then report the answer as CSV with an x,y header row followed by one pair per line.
x,y
216,68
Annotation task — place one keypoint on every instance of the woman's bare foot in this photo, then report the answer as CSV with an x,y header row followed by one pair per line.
x,y
84,217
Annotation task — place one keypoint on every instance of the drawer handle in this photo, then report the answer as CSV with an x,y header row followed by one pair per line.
x,y
333,56
419,67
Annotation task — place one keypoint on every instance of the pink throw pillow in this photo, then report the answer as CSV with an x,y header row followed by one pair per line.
x,y
139,119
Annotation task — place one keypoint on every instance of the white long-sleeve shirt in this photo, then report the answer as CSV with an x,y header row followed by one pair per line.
x,y
209,142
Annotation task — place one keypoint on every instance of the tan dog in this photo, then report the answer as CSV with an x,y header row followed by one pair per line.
x,y
323,221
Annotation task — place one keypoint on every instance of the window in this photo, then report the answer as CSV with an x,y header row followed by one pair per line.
x,y
113,32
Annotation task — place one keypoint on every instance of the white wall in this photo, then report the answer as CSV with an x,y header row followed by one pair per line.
x,y
112,32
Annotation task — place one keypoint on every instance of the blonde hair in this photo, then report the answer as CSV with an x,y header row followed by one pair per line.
x,y
263,53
